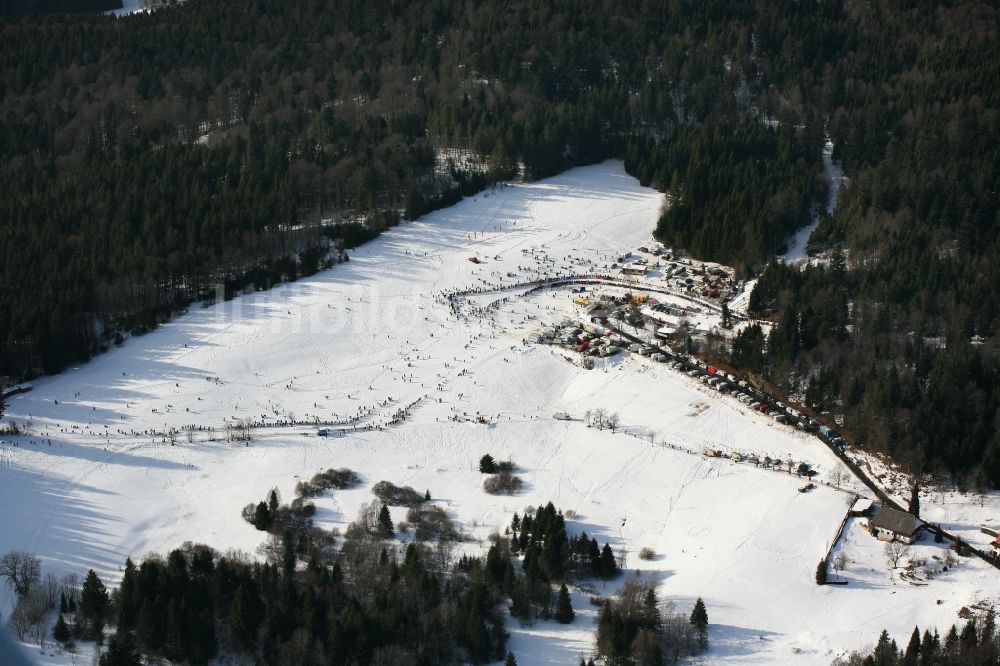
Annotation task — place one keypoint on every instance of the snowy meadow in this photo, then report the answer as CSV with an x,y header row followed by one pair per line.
x,y
134,451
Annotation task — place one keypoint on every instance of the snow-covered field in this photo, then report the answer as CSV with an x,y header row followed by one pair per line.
x,y
98,479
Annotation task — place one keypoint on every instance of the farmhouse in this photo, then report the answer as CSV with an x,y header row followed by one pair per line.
x,y
890,524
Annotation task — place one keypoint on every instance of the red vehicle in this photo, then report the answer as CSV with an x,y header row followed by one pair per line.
x,y
763,408
583,346
712,370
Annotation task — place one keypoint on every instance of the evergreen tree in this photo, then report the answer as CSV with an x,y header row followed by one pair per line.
x,y
915,500
273,502
427,495
886,653
94,602
951,642
968,639
385,529
609,567
564,608
929,647
262,517
149,628
510,660
122,651
288,557
128,610
821,572
487,465
60,631
911,655
699,619
245,616
989,640
594,557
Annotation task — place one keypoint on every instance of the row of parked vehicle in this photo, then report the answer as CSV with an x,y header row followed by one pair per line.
x,y
588,339
658,355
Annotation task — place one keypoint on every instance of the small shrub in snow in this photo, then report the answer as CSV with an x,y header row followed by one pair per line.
x,y
432,524
303,509
570,514
394,495
647,554
503,483
339,479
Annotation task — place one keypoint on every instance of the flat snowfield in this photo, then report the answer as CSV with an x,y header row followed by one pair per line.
x,y
100,476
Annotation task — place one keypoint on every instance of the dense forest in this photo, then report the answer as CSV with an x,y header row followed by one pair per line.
x,y
145,160
897,332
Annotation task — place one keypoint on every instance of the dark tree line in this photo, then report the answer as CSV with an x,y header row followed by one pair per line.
x,y
365,603
898,332
737,190
978,642
928,400
319,598
635,628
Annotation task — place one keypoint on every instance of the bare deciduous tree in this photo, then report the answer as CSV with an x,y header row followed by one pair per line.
x,y
28,617
49,590
839,475
19,622
840,562
21,569
895,551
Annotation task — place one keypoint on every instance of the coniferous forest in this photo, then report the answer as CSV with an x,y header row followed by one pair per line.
x,y
364,597
146,160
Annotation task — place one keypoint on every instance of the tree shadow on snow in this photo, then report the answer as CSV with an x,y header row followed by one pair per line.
x,y
53,516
